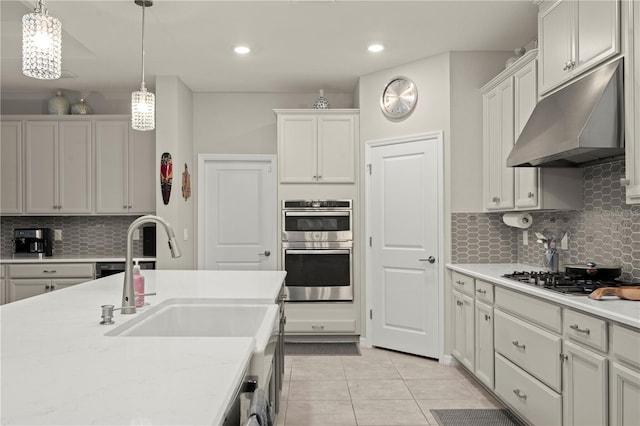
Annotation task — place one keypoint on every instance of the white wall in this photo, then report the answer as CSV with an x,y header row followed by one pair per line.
x,y
37,102
174,134
469,72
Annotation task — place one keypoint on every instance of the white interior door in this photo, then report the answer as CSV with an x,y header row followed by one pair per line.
x,y
237,213
404,223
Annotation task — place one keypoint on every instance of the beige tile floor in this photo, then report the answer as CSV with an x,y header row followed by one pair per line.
x,y
380,387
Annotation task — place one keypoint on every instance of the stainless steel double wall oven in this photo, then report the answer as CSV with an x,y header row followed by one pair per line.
x,y
317,250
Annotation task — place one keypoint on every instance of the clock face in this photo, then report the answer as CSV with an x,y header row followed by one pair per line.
x,y
399,98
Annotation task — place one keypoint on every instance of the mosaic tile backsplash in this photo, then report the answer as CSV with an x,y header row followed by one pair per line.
x,y
606,231
100,236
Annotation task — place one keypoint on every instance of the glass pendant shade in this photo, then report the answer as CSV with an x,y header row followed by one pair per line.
x,y
41,44
143,102
143,109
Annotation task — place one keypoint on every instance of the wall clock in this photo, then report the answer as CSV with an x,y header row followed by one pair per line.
x,y
399,98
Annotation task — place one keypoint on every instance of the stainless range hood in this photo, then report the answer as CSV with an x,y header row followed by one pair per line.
x,y
578,125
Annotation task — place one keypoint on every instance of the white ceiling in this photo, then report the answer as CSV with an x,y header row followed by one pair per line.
x,y
297,46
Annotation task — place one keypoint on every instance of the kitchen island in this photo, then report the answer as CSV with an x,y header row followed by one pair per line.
x,y
58,367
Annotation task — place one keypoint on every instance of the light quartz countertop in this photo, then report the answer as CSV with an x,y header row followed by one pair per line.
x,y
70,259
59,368
610,307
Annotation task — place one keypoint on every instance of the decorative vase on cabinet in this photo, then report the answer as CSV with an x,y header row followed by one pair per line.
x,y
58,104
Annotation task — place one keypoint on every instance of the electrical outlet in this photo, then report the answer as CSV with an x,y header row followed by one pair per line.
x,y
564,242
136,234
57,234
525,238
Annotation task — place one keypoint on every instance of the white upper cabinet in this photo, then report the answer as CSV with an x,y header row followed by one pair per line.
x,y
498,142
58,162
525,90
574,36
632,101
124,169
11,167
317,146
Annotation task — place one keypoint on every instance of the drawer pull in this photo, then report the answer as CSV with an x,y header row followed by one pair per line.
x,y
481,291
460,282
459,303
520,394
487,317
317,326
580,330
49,271
518,344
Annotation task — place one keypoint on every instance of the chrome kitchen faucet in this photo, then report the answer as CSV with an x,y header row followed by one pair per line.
x,y
128,294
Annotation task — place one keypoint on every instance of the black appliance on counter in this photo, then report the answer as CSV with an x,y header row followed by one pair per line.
x,y
564,283
104,269
32,242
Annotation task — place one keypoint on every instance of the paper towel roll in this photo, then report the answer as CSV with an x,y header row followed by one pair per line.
x,y
518,220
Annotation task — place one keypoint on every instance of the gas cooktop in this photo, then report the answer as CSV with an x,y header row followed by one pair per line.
x,y
563,283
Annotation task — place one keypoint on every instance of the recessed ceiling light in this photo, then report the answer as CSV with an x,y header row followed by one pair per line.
x,y
241,50
375,48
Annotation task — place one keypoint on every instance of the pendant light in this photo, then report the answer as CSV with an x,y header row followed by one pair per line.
x,y
143,102
41,44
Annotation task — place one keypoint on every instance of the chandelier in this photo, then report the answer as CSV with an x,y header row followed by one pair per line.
x,y
143,102
41,44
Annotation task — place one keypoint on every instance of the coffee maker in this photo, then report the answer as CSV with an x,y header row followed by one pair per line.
x,y
32,242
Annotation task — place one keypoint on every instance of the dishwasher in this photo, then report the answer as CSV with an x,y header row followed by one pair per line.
x,y
104,269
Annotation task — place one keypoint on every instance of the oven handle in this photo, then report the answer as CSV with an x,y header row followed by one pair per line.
x,y
343,251
314,213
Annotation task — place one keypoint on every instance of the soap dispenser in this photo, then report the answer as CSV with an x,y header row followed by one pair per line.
x,y
138,285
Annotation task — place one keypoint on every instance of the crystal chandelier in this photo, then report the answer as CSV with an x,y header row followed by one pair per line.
x,y
41,44
143,102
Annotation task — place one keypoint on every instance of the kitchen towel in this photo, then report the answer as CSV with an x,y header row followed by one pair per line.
x,y
518,220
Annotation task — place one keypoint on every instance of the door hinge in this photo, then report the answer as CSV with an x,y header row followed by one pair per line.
x,y
369,167
370,241
370,313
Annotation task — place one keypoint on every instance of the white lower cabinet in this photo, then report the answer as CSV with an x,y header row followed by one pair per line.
x,y
584,393
463,329
321,326
625,395
484,344
24,288
624,387
27,280
535,401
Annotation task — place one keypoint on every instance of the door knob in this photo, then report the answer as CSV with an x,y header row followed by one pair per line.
x,y
429,259
266,253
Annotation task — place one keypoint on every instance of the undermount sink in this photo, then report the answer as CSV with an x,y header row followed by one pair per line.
x,y
193,318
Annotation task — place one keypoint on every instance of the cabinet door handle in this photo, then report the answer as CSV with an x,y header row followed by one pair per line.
x,y
518,344
572,64
577,328
520,394
487,317
459,303
47,287
481,291
317,326
496,200
531,195
459,282
49,271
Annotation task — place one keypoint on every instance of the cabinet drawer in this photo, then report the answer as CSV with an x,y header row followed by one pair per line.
x,y
463,284
626,345
52,270
534,310
532,399
531,348
321,326
484,291
586,329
